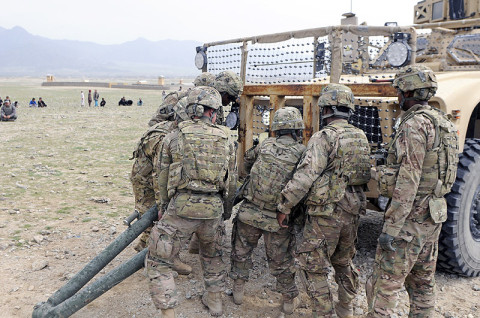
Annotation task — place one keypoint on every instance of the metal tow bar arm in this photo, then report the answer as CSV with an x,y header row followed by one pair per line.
x,y
66,301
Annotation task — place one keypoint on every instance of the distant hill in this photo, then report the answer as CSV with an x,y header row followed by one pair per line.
x,y
24,54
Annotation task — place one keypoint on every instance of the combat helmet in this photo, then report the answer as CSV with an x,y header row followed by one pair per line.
x,y
287,118
417,78
200,97
336,96
204,79
228,82
165,112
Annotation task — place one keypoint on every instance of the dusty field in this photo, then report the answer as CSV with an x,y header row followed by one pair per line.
x,y
58,163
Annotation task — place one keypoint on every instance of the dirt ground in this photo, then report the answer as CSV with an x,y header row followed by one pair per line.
x,y
64,191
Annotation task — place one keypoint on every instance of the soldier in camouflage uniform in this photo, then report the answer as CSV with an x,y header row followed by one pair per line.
x,y
420,170
271,166
196,171
230,87
143,173
331,175
204,79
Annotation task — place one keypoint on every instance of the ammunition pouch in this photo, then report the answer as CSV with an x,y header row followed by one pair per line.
x,y
387,178
438,209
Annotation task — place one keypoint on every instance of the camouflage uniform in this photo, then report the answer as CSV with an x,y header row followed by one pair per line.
x,y
275,160
330,175
196,169
413,219
144,185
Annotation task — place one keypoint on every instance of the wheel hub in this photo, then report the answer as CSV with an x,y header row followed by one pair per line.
x,y
475,216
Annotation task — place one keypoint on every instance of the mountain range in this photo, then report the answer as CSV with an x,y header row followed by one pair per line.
x,y
24,54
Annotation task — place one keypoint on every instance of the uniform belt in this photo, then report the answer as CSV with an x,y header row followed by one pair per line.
x,y
264,205
196,192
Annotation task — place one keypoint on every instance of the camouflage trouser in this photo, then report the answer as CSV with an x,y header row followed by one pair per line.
x,y
164,245
278,247
413,264
328,241
141,178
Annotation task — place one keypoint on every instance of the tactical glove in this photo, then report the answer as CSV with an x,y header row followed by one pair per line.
x,y
385,242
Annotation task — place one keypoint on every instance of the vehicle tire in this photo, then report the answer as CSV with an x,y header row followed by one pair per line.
x,y
459,246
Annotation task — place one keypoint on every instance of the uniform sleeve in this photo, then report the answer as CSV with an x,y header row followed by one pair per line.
x,y
163,164
231,185
156,171
311,166
250,157
410,150
3,111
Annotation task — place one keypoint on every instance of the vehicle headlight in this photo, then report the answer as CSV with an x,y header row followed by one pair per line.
x,y
398,54
201,58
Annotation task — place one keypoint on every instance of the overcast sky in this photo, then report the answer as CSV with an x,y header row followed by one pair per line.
x,y
118,21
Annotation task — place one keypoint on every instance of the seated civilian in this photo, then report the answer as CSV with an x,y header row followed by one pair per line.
x,y
8,112
33,103
41,103
103,102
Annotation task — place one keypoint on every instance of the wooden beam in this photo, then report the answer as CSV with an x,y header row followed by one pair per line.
x,y
307,117
276,102
245,130
359,90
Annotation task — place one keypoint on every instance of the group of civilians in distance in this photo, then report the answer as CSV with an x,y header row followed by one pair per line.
x,y
40,103
8,112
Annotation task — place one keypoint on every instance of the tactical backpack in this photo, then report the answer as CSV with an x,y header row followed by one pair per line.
x,y
349,164
439,168
273,168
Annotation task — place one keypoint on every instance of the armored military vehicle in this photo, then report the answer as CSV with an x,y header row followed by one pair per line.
x,y
290,69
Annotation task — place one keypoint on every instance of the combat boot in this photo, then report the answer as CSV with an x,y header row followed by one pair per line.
x,y
344,310
238,291
180,267
289,306
214,303
168,313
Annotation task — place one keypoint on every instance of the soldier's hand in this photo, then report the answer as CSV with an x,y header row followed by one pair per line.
x,y
281,218
385,242
161,211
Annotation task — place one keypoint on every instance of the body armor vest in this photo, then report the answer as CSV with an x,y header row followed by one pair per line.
x,y
273,168
439,168
202,162
348,164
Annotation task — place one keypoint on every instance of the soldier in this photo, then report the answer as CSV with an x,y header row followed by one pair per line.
x,y
196,171
230,87
204,79
143,174
421,168
331,174
271,166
